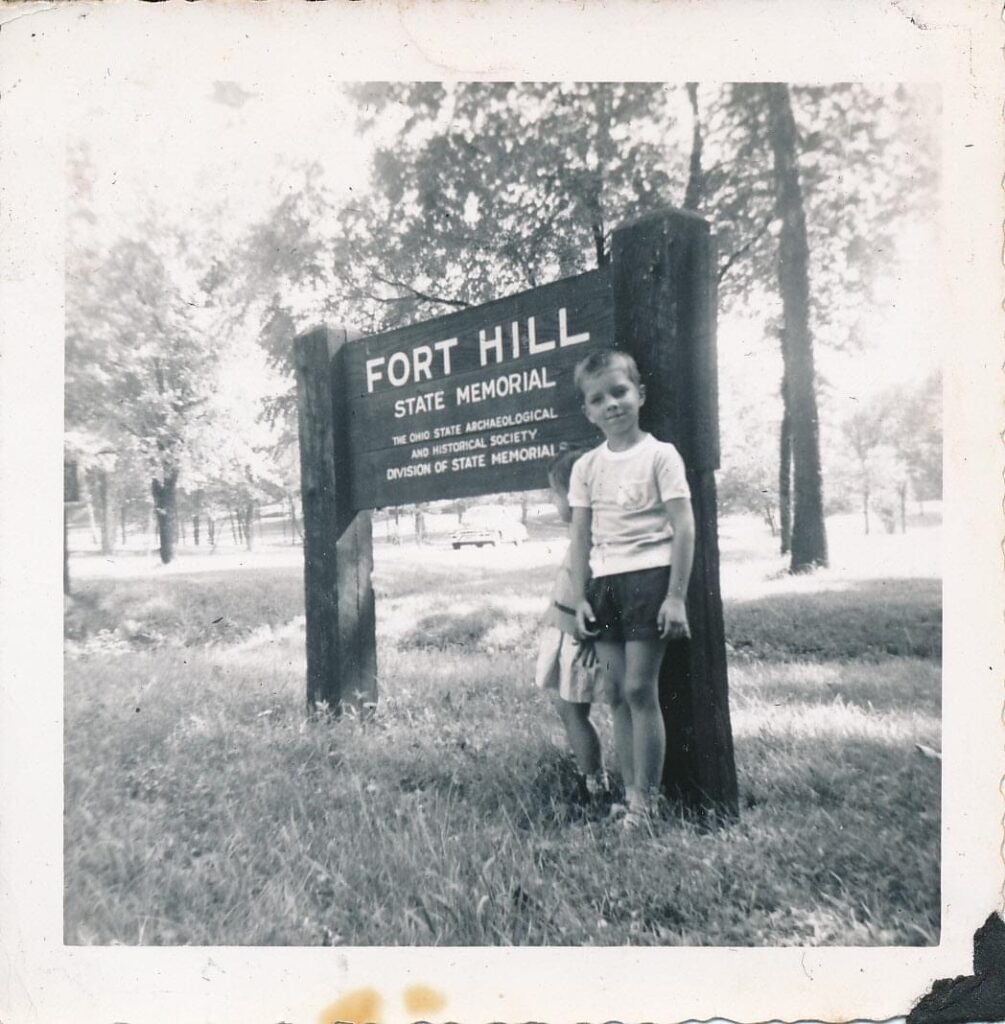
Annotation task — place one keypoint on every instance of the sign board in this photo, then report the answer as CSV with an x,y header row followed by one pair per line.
x,y
479,401
475,401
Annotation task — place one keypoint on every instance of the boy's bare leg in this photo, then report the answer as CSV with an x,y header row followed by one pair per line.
x,y
581,734
611,658
624,744
641,689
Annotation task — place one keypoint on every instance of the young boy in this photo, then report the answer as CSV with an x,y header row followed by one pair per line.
x,y
633,529
565,667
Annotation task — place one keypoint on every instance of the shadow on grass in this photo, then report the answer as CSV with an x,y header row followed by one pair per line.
x,y
196,609
870,619
893,685
202,809
443,630
469,579
815,819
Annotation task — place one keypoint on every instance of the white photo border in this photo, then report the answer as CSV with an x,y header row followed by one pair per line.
x,y
953,43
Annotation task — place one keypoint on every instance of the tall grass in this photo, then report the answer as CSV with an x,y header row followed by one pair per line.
x,y
203,807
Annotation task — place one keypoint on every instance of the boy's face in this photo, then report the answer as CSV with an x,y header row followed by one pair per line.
x,y
611,401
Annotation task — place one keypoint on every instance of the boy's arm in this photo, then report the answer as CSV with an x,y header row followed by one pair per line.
x,y
672,619
579,567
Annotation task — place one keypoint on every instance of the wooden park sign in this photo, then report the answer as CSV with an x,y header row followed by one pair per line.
x,y
478,402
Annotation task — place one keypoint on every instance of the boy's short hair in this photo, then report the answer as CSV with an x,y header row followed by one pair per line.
x,y
560,467
602,359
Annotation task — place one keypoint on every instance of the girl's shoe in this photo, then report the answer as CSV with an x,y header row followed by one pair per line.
x,y
592,795
598,785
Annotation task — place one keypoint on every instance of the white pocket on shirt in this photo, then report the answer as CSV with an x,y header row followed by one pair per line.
x,y
631,495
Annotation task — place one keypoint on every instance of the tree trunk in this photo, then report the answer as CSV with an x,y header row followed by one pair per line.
x,y
91,520
249,522
165,497
902,490
596,197
599,250
295,532
769,518
66,550
809,537
695,190
211,530
197,516
865,508
105,514
785,479
122,521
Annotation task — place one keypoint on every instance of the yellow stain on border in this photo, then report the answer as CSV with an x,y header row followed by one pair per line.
x,y
361,1006
423,1000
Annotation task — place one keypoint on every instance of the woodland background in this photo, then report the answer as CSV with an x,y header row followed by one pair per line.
x,y
203,805
182,300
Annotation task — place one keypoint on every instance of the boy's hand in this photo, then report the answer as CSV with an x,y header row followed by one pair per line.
x,y
672,619
586,623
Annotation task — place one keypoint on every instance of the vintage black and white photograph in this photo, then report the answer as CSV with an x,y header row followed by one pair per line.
x,y
501,511
471,766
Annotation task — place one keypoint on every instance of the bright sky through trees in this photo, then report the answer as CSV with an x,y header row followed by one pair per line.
x,y
213,146
226,143
203,134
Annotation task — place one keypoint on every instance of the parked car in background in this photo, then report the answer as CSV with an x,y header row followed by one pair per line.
x,y
488,524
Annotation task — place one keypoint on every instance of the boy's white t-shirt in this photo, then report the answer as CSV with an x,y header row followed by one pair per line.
x,y
626,492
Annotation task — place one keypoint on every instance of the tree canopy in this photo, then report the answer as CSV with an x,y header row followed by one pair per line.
x,y
478,190
150,351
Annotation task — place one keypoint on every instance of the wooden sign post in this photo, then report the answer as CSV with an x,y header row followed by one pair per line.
x,y
478,402
665,316
338,543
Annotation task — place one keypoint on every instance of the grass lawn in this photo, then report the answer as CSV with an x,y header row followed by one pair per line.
x,y
202,807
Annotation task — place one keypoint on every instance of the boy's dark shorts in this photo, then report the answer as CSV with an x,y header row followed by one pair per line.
x,y
626,605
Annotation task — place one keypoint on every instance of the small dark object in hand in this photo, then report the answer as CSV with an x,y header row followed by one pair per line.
x,y
586,655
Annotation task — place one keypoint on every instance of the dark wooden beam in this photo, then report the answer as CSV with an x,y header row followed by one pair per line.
x,y
338,543
664,289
